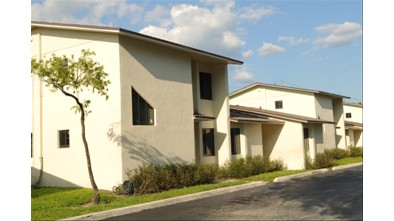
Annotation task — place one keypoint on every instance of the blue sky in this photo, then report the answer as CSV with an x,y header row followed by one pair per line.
x,y
300,43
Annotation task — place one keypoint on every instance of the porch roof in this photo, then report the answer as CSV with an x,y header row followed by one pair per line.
x,y
257,112
353,125
255,120
202,117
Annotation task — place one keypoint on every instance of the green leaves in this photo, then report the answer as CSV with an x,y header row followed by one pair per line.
x,y
72,76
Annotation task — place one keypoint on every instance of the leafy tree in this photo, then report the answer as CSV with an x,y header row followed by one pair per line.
x,y
70,77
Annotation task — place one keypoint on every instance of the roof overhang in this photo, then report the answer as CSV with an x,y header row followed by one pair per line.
x,y
257,112
134,35
255,120
353,125
201,117
303,90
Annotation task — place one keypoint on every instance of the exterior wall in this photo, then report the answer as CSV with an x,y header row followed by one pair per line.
x,y
261,97
339,119
164,79
284,142
67,166
324,111
251,140
355,110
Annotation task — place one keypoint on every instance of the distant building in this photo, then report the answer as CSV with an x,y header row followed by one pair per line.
x,y
323,126
353,124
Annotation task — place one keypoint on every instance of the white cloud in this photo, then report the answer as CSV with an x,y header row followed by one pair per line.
x,y
270,49
338,34
159,14
253,13
83,12
212,27
292,40
247,54
243,76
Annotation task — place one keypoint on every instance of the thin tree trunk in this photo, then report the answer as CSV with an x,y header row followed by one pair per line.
x,y
96,194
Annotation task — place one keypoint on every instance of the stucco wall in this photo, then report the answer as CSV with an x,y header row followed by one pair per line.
x,y
164,79
339,118
284,142
67,166
299,103
324,111
356,111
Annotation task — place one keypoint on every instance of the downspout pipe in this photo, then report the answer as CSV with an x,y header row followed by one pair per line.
x,y
41,158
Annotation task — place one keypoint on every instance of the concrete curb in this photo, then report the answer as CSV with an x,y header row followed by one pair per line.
x,y
309,173
165,202
347,166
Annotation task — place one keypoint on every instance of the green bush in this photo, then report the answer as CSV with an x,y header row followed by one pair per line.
x,y
323,160
308,164
337,153
249,166
355,151
156,178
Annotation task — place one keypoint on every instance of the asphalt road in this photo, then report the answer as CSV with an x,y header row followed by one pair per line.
x,y
332,195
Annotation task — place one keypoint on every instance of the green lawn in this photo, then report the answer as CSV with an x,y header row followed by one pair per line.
x,y
349,160
52,203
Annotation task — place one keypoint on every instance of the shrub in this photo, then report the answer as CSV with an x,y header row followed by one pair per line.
x,y
249,166
308,164
337,153
355,151
323,160
156,178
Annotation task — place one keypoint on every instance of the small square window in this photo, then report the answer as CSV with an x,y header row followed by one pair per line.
x,y
348,115
64,139
278,104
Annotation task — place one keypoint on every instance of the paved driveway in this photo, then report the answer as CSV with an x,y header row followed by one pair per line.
x,y
331,195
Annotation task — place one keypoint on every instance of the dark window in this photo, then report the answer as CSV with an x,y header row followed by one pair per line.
x,y
208,142
348,115
278,104
64,139
143,113
205,86
306,133
235,141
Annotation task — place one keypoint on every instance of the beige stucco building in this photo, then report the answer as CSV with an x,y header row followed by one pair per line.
x,y
323,126
353,124
167,103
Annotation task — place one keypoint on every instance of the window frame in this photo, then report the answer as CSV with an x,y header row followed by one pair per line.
x,y
205,85
143,114
235,137
208,143
279,104
64,142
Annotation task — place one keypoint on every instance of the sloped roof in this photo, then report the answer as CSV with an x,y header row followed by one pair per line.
x,y
277,115
353,125
295,89
135,35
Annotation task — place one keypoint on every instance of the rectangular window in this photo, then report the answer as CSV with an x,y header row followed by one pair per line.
x,y
64,139
348,115
208,142
205,86
278,104
235,141
143,113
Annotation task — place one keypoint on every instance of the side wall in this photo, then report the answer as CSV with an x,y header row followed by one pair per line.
x,y
293,103
324,111
284,142
67,166
163,78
